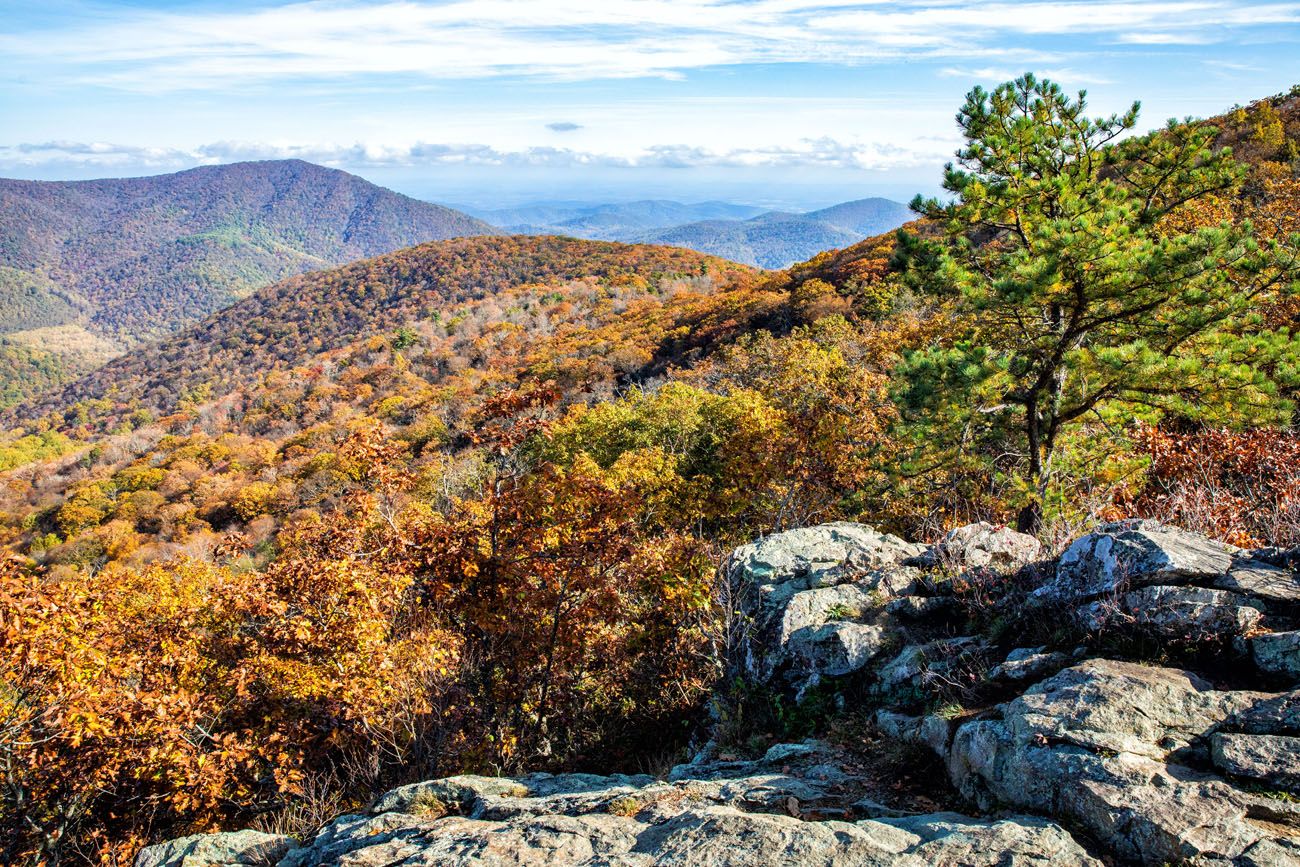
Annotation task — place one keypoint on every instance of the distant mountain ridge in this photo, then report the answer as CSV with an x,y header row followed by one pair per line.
x,y
742,233
604,221
778,240
125,260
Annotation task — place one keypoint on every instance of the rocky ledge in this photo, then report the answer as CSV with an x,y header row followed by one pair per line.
x,y
1154,715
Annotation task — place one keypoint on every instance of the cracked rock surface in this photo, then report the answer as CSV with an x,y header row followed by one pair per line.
x,y
771,811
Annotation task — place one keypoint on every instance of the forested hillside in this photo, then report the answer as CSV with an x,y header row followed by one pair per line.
x,y
460,508
124,261
433,288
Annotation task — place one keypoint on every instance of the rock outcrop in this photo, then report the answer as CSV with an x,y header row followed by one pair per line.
x,y
1130,554
790,807
813,600
1046,694
1125,751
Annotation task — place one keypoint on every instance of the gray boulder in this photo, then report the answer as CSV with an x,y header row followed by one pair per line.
x,y
228,849
818,556
1025,664
1114,747
932,730
837,649
984,546
1272,759
1130,554
917,665
812,600
1277,653
1195,613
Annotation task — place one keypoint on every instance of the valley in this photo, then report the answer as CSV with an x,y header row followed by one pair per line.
x,y
745,234
342,528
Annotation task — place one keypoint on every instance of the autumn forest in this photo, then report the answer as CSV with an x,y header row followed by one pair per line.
x,y
459,508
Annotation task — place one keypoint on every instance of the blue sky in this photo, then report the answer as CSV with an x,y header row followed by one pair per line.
x,y
779,102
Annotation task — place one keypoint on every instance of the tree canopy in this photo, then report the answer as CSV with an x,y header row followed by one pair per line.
x,y
1081,290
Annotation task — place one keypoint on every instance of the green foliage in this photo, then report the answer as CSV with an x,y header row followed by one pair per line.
x,y
403,337
26,372
25,449
1078,296
29,300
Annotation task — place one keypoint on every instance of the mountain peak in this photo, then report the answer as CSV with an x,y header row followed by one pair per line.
x,y
138,258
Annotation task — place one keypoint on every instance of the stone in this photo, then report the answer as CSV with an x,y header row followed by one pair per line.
x,y
1262,581
917,662
1112,747
1272,759
785,752
950,840
932,730
984,546
1187,613
818,556
1027,664
461,794
251,848
1277,714
663,824
837,649
1277,653
1130,554
793,586
813,608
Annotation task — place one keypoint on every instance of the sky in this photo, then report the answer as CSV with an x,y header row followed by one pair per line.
x,y
783,103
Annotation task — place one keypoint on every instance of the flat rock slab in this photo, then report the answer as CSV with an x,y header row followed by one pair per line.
x,y
1187,613
1273,759
1262,581
678,830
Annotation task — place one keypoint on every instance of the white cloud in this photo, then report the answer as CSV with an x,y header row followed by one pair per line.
x,y
995,74
157,51
822,152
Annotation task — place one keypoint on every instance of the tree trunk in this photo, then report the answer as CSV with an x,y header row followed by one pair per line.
x,y
1030,518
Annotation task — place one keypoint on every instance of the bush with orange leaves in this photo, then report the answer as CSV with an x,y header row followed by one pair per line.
x,y
1241,486
182,697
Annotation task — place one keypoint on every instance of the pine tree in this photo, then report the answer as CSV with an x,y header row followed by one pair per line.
x,y
1081,286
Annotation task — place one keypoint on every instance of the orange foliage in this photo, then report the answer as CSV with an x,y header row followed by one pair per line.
x,y
1242,486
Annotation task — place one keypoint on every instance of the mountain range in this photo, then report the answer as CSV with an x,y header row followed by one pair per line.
x,y
742,233
464,508
454,286
90,268
593,219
